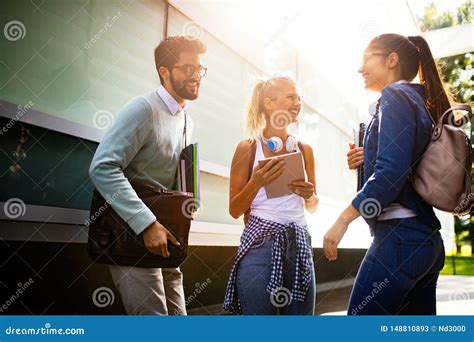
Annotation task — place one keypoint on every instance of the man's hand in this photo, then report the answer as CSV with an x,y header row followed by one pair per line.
x,y
156,239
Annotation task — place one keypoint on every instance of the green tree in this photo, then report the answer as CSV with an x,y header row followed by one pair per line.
x,y
464,15
433,20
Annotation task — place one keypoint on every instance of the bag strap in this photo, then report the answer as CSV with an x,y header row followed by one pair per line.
x,y
184,130
302,149
252,156
253,151
300,146
463,107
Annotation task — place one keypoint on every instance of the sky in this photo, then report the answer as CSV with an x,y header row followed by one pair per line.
x,y
329,36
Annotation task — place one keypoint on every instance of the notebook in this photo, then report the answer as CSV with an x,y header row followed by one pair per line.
x,y
188,171
359,142
294,171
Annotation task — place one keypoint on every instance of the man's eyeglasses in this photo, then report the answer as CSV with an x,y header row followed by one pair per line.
x,y
190,70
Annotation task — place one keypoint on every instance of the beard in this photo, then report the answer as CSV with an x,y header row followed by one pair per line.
x,y
180,89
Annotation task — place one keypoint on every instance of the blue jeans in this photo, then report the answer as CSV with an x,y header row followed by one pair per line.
x,y
400,270
253,276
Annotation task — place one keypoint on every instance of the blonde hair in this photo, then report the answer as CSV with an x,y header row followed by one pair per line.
x,y
256,111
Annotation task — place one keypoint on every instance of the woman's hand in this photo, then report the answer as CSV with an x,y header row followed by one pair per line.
x,y
355,157
268,172
336,232
302,188
332,238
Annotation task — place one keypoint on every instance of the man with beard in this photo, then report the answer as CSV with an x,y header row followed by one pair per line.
x,y
144,144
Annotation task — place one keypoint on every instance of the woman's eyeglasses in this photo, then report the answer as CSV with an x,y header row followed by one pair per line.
x,y
189,70
370,54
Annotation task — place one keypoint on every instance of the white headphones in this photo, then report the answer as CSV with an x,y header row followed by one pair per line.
x,y
275,144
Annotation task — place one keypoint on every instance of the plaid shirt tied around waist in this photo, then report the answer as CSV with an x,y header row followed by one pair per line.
x,y
258,227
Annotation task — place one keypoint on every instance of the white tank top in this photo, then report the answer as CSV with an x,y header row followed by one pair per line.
x,y
285,209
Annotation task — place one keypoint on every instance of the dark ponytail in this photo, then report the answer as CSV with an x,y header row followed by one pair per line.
x,y
415,58
437,99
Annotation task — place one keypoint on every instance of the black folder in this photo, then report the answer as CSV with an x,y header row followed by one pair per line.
x,y
360,143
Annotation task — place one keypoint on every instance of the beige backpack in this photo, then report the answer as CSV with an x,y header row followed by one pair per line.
x,y
443,174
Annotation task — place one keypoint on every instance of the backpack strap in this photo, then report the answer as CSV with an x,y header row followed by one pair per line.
x,y
253,151
463,107
300,146
302,149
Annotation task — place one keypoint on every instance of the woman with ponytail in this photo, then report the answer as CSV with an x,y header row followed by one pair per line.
x,y
400,269
273,272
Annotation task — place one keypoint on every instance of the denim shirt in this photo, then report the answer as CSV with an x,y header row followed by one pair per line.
x,y
394,141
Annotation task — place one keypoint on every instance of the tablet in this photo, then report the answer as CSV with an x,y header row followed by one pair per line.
x,y
294,171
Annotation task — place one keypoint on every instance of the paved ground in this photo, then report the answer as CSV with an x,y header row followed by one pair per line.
x,y
455,296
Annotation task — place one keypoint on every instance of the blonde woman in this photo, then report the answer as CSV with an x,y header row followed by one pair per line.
x,y
273,272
